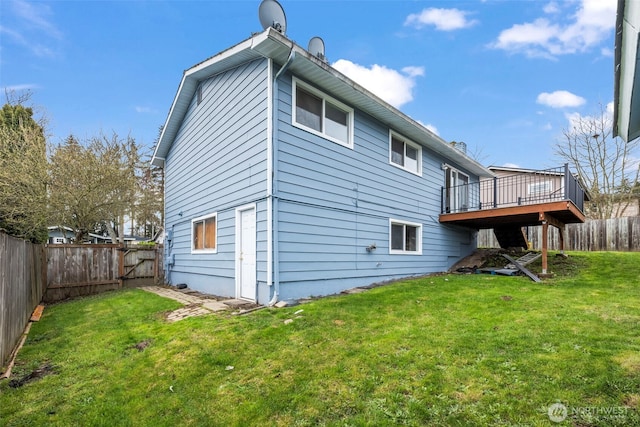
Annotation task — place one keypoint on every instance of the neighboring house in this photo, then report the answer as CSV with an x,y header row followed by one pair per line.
x,y
519,186
66,235
285,179
60,235
629,208
626,105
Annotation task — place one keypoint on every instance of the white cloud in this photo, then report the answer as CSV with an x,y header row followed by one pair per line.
x,y
511,165
393,86
610,109
31,27
20,87
36,16
431,127
591,23
560,99
442,19
605,119
140,109
551,8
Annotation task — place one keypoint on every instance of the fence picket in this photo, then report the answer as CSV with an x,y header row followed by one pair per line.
x,y
21,288
616,234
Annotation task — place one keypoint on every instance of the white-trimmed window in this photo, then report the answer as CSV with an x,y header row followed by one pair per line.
x,y
204,234
538,188
322,115
405,237
405,154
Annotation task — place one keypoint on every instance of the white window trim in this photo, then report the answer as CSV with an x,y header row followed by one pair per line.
x,y
324,97
547,190
202,218
410,143
453,190
418,236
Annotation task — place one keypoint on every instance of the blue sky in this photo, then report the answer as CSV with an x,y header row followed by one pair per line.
x,y
504,76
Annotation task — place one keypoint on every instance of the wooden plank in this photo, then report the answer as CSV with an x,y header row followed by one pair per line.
x,y
37,313
523,269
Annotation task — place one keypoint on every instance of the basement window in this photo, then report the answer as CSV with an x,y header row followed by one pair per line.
x,y
204,234
405,237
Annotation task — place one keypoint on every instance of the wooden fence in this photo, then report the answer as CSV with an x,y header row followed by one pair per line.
x,y
79,270
21,288
617,234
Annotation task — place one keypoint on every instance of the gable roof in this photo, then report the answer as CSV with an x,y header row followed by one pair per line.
x,y
626,104
273,45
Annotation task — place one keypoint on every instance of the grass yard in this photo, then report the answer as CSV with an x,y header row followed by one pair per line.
x,y
476,350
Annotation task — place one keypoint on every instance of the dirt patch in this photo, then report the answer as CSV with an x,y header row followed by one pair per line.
x,y
38,373
560,264
481,258
141,345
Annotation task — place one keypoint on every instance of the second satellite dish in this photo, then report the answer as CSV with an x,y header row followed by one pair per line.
x,y
272,15
316,47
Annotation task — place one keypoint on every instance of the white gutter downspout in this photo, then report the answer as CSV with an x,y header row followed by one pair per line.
x,y
275,195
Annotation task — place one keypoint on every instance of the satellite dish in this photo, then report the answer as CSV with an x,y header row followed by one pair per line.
x,y
272,15
316,47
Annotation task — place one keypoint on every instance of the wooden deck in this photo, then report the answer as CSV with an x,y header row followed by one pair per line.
x,y
556,213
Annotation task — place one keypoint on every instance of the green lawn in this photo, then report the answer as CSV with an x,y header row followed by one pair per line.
x,y
475,350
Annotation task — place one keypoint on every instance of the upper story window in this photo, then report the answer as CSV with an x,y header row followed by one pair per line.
x,y
322,115
405,154
204,234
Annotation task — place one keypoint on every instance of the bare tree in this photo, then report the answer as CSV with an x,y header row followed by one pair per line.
x,y
606,165
93,185
148,214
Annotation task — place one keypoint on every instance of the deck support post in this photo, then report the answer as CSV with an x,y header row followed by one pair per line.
x,y
545,234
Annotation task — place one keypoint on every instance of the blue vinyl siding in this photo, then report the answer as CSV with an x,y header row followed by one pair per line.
x,y
218,162
336,201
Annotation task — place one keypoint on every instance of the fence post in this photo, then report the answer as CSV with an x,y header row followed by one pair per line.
x,y
495,191
120,249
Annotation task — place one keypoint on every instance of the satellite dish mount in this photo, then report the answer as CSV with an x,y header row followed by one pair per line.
x,y
272,15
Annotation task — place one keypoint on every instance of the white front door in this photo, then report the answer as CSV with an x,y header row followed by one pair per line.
x,y
246,253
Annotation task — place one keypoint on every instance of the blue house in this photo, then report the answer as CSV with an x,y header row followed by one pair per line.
x,y
285,179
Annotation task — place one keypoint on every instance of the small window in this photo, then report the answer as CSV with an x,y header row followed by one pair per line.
x,y
405,154
539,188
322,115
405,237
204,233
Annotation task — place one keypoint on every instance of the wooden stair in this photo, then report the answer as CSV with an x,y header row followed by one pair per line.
x,y
510,237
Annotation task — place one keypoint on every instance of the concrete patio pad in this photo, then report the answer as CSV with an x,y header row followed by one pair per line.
x,y
194,305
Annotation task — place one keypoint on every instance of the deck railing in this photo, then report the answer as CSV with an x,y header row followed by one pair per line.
x,y
521,188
